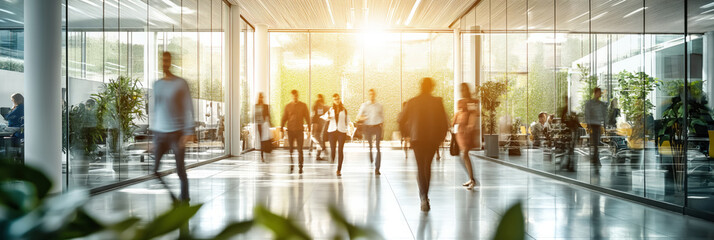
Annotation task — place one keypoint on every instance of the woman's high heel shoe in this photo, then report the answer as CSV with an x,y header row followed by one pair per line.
x,y
467,183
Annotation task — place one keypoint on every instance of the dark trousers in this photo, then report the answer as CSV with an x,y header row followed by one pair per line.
x,y
424,153
296,136
337,137
260,137
374,131
162,143
595,133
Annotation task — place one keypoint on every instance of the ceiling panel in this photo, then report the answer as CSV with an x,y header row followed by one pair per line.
x,y
349,14
618,16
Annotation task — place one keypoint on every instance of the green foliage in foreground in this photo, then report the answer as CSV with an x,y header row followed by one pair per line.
x,y
28,211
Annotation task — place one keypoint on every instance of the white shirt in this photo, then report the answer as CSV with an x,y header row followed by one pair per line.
x,y
373,111
340,124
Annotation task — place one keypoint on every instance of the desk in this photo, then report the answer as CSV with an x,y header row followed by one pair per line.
x,y
6,142
698,139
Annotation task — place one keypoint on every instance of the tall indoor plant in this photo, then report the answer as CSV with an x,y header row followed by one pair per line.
x,y
635,104
491,92
119,103
589,82
675,126
81,137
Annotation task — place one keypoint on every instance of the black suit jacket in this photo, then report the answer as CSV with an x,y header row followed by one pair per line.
x,y
425,117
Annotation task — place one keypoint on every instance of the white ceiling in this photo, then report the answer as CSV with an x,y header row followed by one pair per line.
x,y
624,16
610,16
616,16
345,14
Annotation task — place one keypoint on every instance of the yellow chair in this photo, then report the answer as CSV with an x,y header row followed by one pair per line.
x,y
665,149
523,129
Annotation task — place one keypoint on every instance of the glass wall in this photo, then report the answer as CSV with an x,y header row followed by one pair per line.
x,y
12,41
247,97
352,63
113,57
653,61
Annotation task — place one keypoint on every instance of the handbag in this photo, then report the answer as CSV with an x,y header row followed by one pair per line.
x,y
266,146
454,146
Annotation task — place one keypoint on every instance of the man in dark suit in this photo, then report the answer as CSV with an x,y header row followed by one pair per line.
x,y
425,118
295,113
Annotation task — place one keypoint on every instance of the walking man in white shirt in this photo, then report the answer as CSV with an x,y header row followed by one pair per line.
x,y
371,114
172,121
595,113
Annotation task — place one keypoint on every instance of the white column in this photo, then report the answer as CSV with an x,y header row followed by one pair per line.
x,y
457,65
477,80
709,66
43,100
234,103
262,61
226,66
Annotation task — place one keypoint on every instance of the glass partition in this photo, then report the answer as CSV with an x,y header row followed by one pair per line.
x,y
698,75
648,135
113,59
351,63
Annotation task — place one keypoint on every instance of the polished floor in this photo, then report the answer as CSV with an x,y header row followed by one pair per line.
x,y
389,203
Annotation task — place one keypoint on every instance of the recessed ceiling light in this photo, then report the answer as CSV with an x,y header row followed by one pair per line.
x,y
411,14
329,10
633,12
579,16
6,11
708,5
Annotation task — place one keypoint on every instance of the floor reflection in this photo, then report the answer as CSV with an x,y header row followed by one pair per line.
x,y
389,203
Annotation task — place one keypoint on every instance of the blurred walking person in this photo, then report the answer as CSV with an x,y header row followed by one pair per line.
x,y
318,125
173,122
371,114
465,126
262,123
426,120
337,122
595,114
295,113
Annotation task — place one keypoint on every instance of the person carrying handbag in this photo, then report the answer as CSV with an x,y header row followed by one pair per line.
x,y
465,125
262,123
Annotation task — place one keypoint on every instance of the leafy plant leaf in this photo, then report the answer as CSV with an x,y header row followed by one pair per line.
x,y
17,198
234,229
16,172
81,226
125,224
352,230
282,227
512,225
168,221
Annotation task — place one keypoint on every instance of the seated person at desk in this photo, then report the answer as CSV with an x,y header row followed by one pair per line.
x,y
16,117
538,129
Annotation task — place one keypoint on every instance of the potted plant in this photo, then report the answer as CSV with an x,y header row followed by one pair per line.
x,y
82,136
635,105
491,92
674,123
119,103
513,146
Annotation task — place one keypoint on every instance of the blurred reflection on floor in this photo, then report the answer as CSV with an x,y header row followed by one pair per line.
x,y
389,203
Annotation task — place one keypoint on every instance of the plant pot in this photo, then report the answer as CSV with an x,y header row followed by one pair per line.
x,y
491,145
514,151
